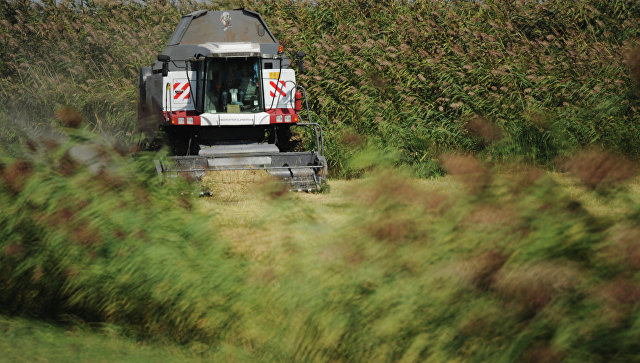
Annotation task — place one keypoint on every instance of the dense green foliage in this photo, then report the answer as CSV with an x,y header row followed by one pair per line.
x,y
543,78
86,232
52,343
500,265
549,76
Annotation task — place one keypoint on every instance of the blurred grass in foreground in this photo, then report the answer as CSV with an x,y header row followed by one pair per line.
x,y
88,232
25,340
507,263
503,262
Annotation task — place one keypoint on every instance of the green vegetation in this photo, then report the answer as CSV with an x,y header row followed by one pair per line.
x,y
86,232
507,263
24,340
500,260
533,80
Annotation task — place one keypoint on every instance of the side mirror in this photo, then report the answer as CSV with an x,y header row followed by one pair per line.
x,y
165,63
299,56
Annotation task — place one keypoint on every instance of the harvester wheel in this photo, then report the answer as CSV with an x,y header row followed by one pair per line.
x,y
288,140
148,142
178,142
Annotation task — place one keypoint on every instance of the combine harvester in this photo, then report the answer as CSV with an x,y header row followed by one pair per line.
x,y
224,96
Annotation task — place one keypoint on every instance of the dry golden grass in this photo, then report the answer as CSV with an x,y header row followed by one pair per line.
x,y
469,170
263,227
596,204
269,229
599,169
69,117
257,222
533,286
234,185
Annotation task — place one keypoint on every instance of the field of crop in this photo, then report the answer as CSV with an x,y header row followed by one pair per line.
x,y
534,81
484,204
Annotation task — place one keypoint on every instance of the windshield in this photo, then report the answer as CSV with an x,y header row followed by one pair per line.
x,y
232,85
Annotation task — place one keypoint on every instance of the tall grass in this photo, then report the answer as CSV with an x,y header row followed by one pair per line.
x,y
551,76
507,268
490,264
89,233
48,342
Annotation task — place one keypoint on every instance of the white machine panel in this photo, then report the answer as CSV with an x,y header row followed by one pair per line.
x,y
278,86
177,94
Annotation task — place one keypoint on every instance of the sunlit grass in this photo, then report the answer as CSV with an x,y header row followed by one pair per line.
x,y
598,204
507,258
27,340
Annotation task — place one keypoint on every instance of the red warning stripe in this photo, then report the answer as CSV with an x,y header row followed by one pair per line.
x,y
180,92
186,86
275,85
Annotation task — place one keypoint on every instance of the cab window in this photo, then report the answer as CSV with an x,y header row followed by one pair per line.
x,y
232,85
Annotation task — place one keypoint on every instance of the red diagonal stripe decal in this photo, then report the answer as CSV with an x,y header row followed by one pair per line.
x,y
275,85
175,85
184,92
187,93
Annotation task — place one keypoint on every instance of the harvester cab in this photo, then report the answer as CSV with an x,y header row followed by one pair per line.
x,y
225,98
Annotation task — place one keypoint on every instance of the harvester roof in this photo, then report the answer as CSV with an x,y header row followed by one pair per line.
x,y
222,27
226,33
